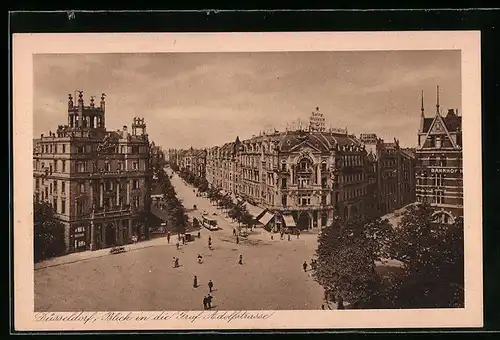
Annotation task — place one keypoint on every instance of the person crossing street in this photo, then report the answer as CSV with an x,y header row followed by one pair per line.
x,y
210,285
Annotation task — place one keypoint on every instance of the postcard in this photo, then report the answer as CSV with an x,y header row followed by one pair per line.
x,y
225,181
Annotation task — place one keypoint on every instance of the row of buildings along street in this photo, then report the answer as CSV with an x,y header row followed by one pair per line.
x,y
303,177
100,183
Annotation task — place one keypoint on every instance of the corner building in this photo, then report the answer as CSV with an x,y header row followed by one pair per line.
x,y
302,177
97,181
439,154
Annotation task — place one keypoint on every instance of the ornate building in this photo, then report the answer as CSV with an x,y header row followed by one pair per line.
x,y
193,160
301,177
439,154
391,176
97,181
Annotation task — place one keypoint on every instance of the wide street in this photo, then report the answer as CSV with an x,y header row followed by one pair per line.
x,y
271,276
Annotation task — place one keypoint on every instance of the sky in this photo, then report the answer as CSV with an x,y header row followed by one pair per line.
x,y
207,99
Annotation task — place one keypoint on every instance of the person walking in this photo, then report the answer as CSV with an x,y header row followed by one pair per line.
x,y
272,237
298,233
210,245
177,245
199,235
209,301
210,285
195,282
205,302
288,236
237,240
241,259
323,307
168,237
200,259
234,232
304,266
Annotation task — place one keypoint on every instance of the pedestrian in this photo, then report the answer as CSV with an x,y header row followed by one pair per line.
x,y
323,307
195,282
210,239
205,302
183,240
210,245
288,236
241,259
199,235
177,245
298,233
168,237
210,285
272,238
209,301
237,240
305,266
281,235
200,258
234,232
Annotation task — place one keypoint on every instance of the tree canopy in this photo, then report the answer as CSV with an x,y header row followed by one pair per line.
x,y
48,232
431,256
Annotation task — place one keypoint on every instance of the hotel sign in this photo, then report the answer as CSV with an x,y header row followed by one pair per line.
x,y
446,170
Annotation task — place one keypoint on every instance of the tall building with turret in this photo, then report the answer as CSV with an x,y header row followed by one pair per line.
x,y
439,154
97,181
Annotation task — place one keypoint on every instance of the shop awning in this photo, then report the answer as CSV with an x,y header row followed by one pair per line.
x,y
289,221
256,212
266,218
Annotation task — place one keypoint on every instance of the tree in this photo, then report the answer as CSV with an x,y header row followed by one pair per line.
x,y
346,259
48,233
432,254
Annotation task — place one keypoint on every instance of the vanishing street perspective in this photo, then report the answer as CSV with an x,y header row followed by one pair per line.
x,y
248,181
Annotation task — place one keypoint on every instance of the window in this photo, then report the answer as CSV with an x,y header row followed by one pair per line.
x,y
107,166
54,205
82,187
55,187
81,167
50,148
120,166
283,201
135,149
442,161
63,206
50,185
80,149
134,165
323,199
64,148
63,187
50,168
136,202
37,183
63,165
283,183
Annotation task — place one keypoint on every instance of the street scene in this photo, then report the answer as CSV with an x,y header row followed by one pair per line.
x,y
145,279
248,181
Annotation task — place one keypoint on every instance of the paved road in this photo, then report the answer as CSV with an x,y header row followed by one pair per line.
x,y
271,276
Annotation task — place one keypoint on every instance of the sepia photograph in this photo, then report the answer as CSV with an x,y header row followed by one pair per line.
x,y
251,180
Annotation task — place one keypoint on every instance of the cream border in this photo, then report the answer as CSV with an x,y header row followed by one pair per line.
x,y
25,45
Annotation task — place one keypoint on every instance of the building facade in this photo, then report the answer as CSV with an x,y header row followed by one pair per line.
x,y
392,183
97,181
439,155
302,177
193,160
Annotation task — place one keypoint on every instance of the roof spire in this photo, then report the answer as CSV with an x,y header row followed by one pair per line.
x,y
422,104
437,103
